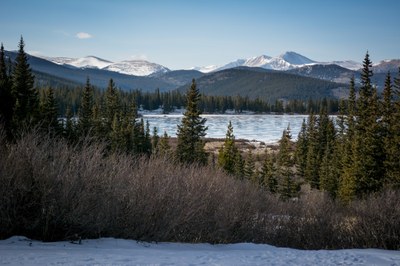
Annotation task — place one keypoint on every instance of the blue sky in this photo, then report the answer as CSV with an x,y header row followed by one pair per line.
x,y
182,34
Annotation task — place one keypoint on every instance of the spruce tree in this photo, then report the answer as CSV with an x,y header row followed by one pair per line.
x,y
250,168
50,112
347,180
368,153
387,107
285,164
85,121
330,170
284,156
6,99
117,140
301,150
388,122
112,103
227,153
312,165
155,139
190,147
26,97
392,144
164,149
69,129
268,174
239,166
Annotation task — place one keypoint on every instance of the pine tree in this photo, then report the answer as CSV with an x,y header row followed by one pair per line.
x,y
329,169
190,147
284,156
227,153
367,148
392,143
155,139
369,169
387,108
69,130
164,149
98,128
85,121
268,175
239,166
301,150
250,168
6,99
312,165
50,112
285,164
117,140
148,143
347,180
112,103
25,96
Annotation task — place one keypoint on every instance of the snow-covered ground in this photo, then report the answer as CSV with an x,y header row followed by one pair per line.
x,y
108,251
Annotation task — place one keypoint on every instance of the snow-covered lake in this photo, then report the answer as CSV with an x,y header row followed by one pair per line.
x,y
266,128
109,251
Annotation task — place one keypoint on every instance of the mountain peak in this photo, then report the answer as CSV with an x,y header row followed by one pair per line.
x,y
295,58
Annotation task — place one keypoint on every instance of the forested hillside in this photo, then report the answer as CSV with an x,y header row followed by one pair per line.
x,y
264,84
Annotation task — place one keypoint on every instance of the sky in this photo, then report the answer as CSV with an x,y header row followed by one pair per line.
x,y
184,34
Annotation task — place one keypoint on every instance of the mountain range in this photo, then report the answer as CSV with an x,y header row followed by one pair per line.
x,y
289,75
286,61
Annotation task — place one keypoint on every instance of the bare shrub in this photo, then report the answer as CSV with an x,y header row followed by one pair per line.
x,y
51,190
375,221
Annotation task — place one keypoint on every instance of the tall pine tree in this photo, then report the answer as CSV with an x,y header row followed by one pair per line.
x,y
26,97
190,147
85,121
368,154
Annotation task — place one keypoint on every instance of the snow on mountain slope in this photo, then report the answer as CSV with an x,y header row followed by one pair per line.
x,y
206,69
133,67
90,62
257,61
84,62
136,67
233,64
294,58
385,66
349,64
286,61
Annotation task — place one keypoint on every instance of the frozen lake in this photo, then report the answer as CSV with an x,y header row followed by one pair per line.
x,y
266,128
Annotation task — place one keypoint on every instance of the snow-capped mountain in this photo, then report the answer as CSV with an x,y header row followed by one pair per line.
x,y
294,58
136,67
84,62
133,67
286,61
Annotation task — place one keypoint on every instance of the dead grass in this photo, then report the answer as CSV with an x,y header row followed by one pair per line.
x,y
51,190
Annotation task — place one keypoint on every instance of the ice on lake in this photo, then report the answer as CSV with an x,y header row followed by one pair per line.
x,y
265,128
